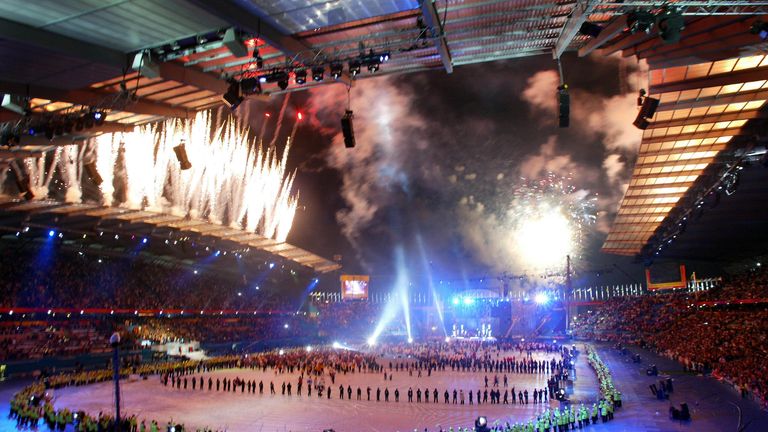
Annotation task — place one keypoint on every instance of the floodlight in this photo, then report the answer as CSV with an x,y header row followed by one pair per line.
x,y
541,298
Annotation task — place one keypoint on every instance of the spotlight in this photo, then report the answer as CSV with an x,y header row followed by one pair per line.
x,y
670,23
300,77
590,29
90,168
455,301
336,70
181,156
469,301
541,298
336,345
371,341
309,348
347,129
447,339
354,67
317,73
144,241
51,233
373,60
640,21
232,97
760,28
410,340
99,117
250,86
271,265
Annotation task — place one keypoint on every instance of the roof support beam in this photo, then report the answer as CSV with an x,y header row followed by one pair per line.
x,y
615,28
91,97
716,100
578,17
204,81
735,77
244,19
17,32
173,71
432,20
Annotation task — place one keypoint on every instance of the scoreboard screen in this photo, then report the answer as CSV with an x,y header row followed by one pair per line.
x,y
354,287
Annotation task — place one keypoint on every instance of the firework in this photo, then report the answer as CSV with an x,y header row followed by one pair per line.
x,y
233,180
548,219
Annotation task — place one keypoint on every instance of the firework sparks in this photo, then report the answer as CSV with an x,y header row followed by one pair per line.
x,y
233,180
229,182
549,219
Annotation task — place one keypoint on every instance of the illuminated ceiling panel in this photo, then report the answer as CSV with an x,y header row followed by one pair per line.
x,y
690,128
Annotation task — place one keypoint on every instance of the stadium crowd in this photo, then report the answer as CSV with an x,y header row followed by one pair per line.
x,y
65,279
724,330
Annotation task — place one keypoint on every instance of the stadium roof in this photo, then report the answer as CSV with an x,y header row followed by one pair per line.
x,y
77,53
709,117
143,60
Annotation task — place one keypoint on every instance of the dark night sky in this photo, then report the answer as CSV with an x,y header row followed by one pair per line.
x,y
431,146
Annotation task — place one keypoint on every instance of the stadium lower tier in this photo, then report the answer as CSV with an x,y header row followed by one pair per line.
x,y
725,337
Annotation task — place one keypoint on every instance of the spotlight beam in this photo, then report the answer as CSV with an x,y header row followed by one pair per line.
x,y
401,286
431,282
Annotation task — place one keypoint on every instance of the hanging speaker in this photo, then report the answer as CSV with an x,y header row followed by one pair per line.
x,y
648,109
181,156
564,105
347,129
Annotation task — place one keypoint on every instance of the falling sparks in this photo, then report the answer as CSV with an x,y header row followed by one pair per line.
x,y
233,181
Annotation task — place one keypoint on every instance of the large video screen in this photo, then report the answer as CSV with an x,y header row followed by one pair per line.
x,y
354,287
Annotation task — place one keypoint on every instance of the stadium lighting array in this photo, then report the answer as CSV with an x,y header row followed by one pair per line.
x,y
667,19
251,80
51,126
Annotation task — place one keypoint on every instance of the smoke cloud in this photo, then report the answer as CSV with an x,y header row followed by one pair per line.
x,y
448,163
387,133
